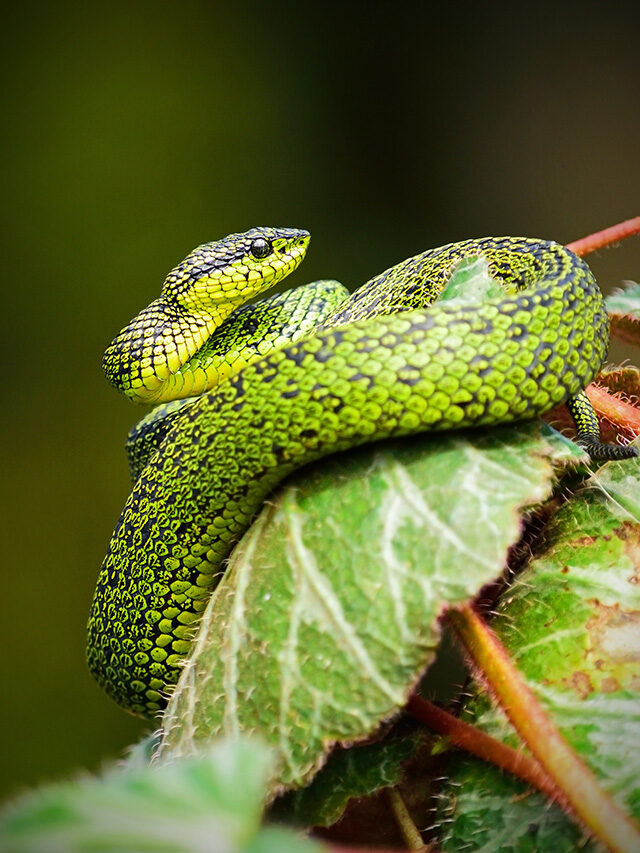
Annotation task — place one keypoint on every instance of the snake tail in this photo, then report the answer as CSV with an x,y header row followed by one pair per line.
x,y
588,432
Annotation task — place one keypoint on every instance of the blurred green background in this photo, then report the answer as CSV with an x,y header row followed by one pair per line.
x,y
135,131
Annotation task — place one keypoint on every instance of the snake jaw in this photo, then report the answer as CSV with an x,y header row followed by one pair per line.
x,y
152,359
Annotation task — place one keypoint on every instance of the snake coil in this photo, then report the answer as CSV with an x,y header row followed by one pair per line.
x,y
386,361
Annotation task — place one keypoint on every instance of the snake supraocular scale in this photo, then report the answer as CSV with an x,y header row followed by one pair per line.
x,y
382,362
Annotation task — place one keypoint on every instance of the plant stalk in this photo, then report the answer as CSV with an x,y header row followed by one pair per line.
x,y
593,242
489,749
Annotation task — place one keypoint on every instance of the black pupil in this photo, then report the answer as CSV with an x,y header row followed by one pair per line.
x,y
260,248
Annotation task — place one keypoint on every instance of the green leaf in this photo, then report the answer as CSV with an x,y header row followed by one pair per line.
x,y
328,613
625,300
572,625
624,312
470,282
356,772
485,810
213,803
273,839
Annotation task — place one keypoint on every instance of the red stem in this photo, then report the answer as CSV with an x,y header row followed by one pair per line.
x,y
596,809
492,750
600,239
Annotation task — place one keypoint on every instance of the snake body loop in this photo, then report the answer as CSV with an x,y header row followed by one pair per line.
x,y
386,362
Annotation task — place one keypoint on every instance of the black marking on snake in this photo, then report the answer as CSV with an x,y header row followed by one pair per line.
x,y
296,355
266,377
323,355
409,380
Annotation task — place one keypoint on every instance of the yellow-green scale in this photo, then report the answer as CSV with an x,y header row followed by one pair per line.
x,y
434,368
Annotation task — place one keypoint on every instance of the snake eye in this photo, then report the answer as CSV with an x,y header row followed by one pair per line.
x,y
260,248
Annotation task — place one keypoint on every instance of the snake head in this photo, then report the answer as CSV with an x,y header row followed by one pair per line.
x,y
197,296
231,271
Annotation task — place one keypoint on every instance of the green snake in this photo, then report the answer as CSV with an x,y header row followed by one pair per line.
x,y
384,362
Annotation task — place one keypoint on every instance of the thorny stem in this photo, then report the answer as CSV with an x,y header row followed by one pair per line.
x,y
595,808
625,328
482,745
593,242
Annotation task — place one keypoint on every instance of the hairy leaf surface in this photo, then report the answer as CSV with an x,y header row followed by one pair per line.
x,y
572,625
328,613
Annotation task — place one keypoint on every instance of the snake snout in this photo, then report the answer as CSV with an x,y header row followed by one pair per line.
x,y
289,240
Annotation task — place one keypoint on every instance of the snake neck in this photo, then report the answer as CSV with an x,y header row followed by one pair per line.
x,y
147,360
152,358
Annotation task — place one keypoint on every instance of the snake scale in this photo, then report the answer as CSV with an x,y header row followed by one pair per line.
x,y
384,362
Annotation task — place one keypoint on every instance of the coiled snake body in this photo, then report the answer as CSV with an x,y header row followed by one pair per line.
x,y
384,362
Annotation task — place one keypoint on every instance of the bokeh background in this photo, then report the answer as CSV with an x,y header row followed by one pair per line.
x,y
135,131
